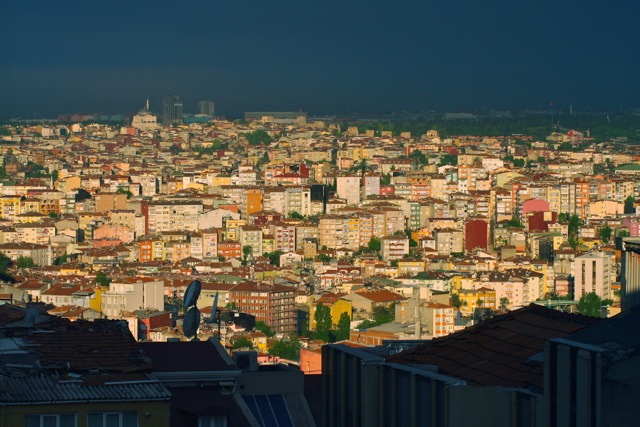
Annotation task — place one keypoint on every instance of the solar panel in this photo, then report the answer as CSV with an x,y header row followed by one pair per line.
x,y
269,410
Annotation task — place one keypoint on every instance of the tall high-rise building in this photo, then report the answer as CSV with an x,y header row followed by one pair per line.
x,y
171,109
206,108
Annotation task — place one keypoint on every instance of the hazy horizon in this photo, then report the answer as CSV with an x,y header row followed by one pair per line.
x,y
324,58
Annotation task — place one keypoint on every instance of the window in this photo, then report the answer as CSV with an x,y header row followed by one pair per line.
x,y
51,420
212,421
112,419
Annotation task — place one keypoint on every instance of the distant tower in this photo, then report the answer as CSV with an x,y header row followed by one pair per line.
x,y
171,109
206,107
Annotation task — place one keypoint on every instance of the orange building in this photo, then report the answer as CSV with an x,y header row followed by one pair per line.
x,y
229,249
254,200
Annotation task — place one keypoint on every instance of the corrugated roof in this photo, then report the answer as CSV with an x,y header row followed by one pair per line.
x,y
498,351
43,388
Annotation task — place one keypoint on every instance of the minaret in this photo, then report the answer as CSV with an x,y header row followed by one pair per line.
x,y
147,105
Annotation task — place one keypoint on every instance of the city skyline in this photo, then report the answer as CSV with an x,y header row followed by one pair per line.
x,y
324,58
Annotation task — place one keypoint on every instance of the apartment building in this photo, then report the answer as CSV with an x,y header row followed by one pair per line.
x,y
273,304
132,293
174,215
593,273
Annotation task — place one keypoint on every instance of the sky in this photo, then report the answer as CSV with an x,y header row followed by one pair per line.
x,y
324,57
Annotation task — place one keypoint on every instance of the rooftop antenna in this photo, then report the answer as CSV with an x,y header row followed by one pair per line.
x,y
216,316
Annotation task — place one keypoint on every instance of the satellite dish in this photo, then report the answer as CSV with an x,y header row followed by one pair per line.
x,y
192,293
191,322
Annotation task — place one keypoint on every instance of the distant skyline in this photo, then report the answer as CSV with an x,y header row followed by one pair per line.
x,y
331,57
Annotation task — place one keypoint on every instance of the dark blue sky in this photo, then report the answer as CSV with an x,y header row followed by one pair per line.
x,y
321,56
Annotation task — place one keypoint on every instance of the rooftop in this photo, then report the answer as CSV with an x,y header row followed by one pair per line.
x,y
499,351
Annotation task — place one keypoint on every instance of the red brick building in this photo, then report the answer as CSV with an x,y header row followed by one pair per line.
x,y
273,304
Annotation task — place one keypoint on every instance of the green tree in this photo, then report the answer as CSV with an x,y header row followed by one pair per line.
x,y
258,137
102,279
514,222
324,257
322,316
295,215
382,315
5,263
125,190
589,304
344,327
366,324
242,342
605,233
504,302
374,244
264,328
630,205
623,233
25,262
455,300
419,157
286,349
574,224
246,251
232,306
62,259
519,163
565,146
274,257
448,159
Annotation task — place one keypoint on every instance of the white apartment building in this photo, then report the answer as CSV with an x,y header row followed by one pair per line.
x,y
174,215
132,293
593,273
348,188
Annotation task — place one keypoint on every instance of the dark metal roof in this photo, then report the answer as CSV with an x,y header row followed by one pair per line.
x,y
499,351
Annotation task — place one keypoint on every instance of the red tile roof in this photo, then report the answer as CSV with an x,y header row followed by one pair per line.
x,y
380,295
497,352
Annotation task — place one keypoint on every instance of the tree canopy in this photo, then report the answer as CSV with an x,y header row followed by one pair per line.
x,y
242,342
287,349
25,262
322,317
102,279
344,327
264,328
589,304
258,137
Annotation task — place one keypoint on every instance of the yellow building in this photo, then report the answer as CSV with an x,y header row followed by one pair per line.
x,y
337,305
30,205
9,207
232,228
219,180
268,243
96,302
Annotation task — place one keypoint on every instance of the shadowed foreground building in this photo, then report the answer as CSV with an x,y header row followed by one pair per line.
x,y
59,373
54,372
529,367
488,374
